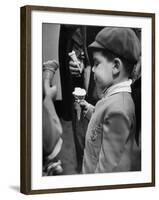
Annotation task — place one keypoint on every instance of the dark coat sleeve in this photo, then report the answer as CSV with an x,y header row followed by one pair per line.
x,y
136,95
67,81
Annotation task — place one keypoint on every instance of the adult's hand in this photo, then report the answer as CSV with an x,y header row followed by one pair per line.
x,y
50,91
76,68
49,69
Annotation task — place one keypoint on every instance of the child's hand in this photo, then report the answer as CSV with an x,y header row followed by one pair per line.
x,y
84,105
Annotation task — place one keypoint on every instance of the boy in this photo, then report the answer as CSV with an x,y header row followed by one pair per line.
x,y
111,131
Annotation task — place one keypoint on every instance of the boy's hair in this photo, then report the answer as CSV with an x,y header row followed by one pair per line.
x,y
111,56
127,66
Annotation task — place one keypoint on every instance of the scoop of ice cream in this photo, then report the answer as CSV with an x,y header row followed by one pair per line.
x,y
79,92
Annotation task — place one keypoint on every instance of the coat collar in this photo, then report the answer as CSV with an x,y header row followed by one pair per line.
x,y
120,87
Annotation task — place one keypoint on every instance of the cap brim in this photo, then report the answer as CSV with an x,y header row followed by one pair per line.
x,y
95,45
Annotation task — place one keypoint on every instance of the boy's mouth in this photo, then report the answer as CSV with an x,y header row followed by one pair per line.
x,y
95,80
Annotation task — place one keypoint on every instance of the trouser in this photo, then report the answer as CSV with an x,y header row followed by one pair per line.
x,y
79,130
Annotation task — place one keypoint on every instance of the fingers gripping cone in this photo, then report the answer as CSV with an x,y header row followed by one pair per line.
x,y
74,58
49,69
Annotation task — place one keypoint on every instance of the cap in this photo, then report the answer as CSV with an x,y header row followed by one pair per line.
x,y
122,42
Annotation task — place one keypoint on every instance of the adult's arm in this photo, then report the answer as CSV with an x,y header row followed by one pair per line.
x,y
52,128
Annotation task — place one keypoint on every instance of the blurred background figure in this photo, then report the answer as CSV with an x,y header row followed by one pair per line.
x,y
76,38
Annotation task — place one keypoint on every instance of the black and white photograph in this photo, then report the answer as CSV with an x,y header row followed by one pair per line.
x,y
87,117
91,99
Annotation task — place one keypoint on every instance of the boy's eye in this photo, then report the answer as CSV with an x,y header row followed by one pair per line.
x,y
96,64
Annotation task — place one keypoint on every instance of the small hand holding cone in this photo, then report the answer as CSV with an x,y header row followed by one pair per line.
x,y
85,106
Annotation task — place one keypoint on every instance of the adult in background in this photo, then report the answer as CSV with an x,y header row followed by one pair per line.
x,y
76,38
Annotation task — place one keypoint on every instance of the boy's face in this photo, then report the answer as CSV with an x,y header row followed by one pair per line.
x,y
103,70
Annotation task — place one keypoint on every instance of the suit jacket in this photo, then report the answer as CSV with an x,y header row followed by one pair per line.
x,y
110,134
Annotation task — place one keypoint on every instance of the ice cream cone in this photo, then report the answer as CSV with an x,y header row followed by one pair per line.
x,y
79,95
49,69
75,59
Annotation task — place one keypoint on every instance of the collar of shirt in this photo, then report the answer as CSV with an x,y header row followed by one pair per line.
x,y
120,87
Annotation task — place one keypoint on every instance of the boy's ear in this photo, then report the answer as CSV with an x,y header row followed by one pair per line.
x,y
117,66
